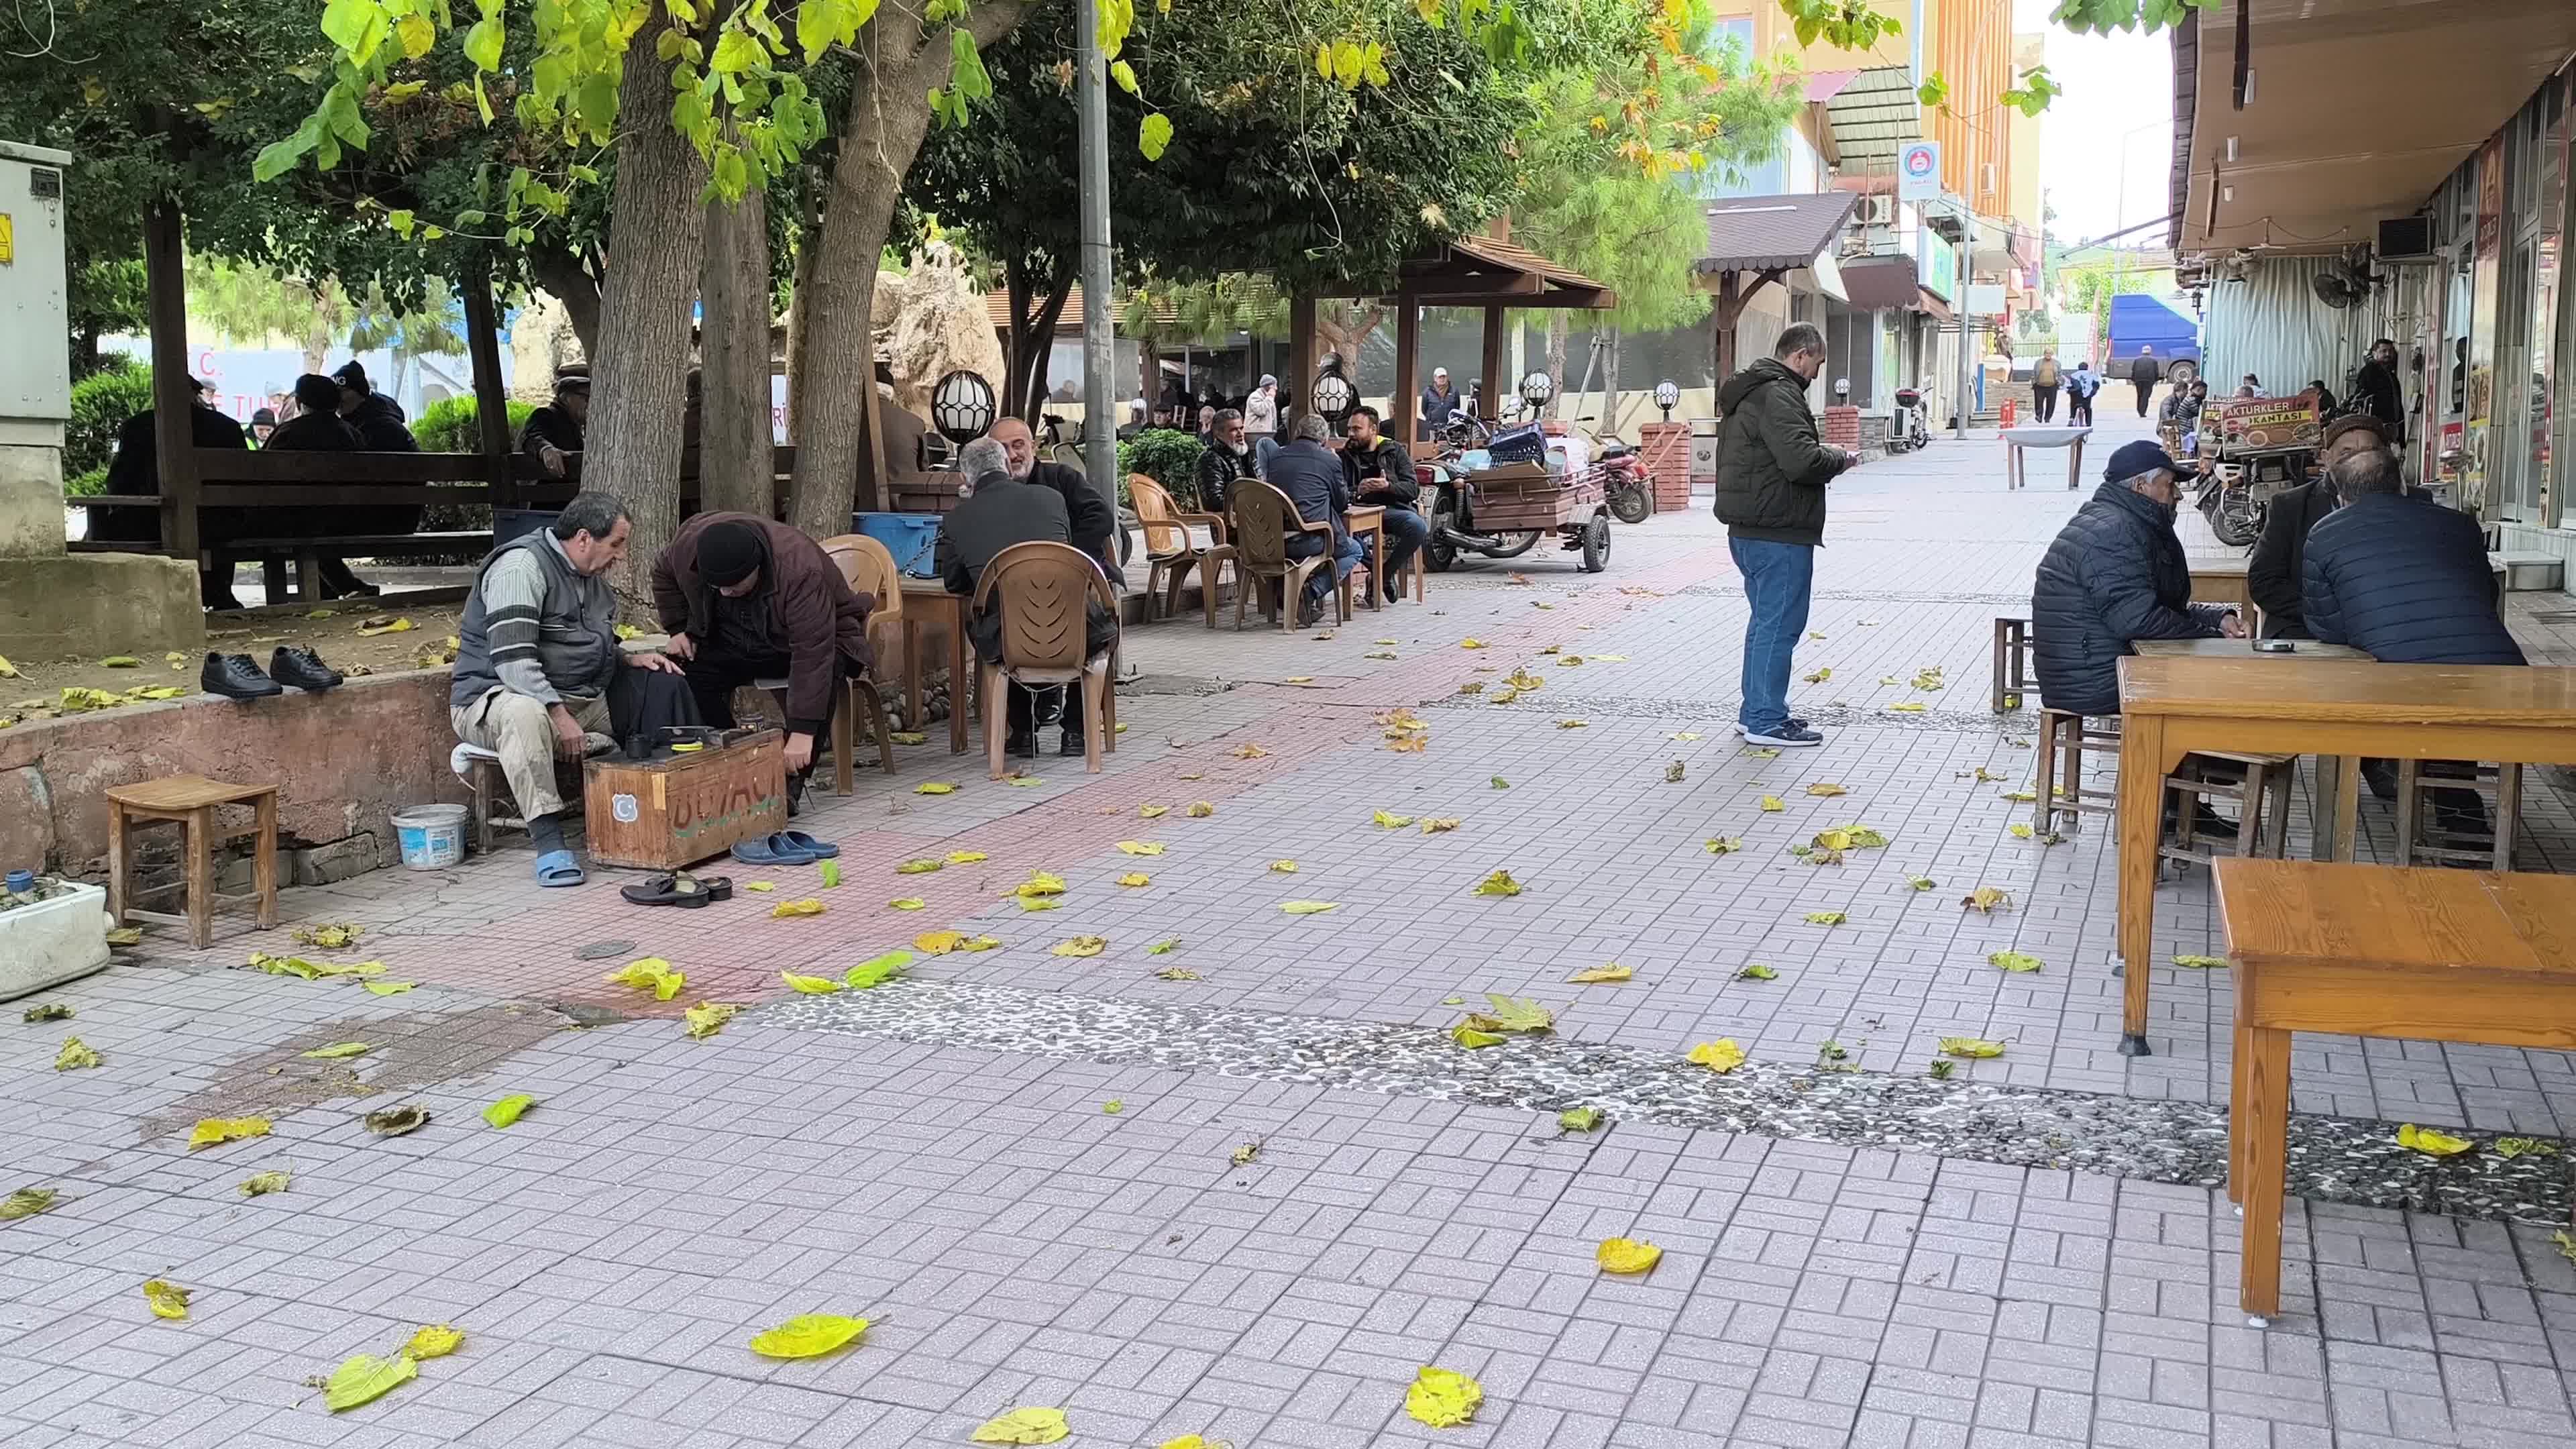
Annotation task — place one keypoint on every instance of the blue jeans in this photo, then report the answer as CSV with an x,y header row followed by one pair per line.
x,y
1406,531
1346,557
1777,580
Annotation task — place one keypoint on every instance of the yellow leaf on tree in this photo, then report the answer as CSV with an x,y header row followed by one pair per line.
x,y
365,1379
2013,960
1309,908
808,1335
1593,975
806,907
809,985
2432,1143
1390,820
507,1111
1080,946
167,1299
1970,1046
1720,1056
1500,883
213,1130
1443,1399
934,787
1024,1426
708,1018
434,1340
1140,847
1626,1255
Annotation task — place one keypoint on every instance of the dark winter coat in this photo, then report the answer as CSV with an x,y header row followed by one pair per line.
x,y
136,470
1313,480
2405,580
2146,371
2376,391
1219,467
379,420
1771,467
2115,573
1382,475
1092,520
2275,575
811,609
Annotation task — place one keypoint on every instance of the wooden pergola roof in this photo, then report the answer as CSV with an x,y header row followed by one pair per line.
x,y
1486,271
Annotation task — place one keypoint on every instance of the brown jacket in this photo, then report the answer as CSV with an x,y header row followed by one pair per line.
x,y
820,617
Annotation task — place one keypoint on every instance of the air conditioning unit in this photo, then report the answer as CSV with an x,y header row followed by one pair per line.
x,y
2406,239
1875,211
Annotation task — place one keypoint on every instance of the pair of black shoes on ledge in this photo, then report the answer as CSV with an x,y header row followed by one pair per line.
x,y
238,676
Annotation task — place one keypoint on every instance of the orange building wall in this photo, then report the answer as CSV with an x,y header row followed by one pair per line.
x,y
1969,43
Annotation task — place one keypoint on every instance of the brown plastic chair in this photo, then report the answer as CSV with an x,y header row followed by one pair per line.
x,y
1042,589
868,568
1264,521
1169,548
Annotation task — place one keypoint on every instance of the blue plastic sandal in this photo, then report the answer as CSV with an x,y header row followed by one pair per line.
x,y
774,849
819,849
559,868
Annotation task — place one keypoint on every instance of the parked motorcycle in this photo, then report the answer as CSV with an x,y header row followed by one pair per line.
x,y
1452,502
1624,484
2227,497
1906,430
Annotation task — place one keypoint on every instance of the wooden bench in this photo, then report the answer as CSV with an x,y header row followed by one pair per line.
x,y
274,554
2367,950
2012,663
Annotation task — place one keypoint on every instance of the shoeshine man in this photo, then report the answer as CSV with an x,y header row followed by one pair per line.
x,y
538,670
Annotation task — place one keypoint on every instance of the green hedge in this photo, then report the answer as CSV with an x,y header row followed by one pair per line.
x,y
448,425
101,402
1168,457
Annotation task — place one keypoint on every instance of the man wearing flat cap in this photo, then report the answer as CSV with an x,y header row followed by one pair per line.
x,y
743,599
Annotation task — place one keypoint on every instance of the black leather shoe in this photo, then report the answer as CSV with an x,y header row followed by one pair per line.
x,y
236,676
295,665
1072,748
1020,744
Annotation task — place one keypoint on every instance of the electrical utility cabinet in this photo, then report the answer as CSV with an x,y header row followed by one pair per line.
x,y
35,368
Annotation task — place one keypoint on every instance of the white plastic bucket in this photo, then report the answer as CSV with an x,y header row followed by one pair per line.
x,y
432,836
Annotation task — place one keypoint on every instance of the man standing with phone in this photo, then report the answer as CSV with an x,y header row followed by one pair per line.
x,y
1771,475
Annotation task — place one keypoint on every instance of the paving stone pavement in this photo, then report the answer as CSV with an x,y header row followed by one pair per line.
x,y
937,1157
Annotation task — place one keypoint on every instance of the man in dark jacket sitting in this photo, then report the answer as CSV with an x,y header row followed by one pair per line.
x,y
1379,473
1312,477
1771,477
2116,573
1228,457
1001,511
2274,574
1094,522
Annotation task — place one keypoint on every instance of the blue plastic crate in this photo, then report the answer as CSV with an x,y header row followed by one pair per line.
x,y
913,539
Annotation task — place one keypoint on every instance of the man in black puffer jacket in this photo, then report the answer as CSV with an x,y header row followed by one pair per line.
x,y
2275,572
2400,577
2115,573
1771,477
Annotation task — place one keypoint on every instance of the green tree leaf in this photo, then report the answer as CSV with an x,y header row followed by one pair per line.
x,y
1153,134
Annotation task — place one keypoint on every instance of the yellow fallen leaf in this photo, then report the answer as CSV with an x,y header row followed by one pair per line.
x,y
1081,946
1826,789
1725,844
1153,812
806,907
2020,832
1772,804
340,1049
2023,796
75,1055
1757,972
125,936
1024,1426
1299,678
878,970
1247,752
1819,677
155,691
434,1340
505,1112
1284,867
167,1299
2200,963
1573,724
1471,643
908,903
1578,1119
708,1018
1389,820
1500,883
650,973
2013,960
76,699
1443,1399
1190,1441
1608,658
2432,1143
808,1335
373,627
909,737
1970,1046
1199,810
934,787
1309,908
1039,883
2509,1148
922,866
7,669
120,661
1595,974
1826,918
810,985
388,988
762,886
1720,1056
211,1131
1034,903
1511,1013
966,857
1907,708
1140,847
1022,781
1626,1255
365,1379
260,1184
1987,899
1471,1038
1439,826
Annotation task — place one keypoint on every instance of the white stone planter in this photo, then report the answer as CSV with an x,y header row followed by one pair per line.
x,y
53,941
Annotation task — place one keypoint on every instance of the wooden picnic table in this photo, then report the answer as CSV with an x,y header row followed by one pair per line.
x,y
2369,950
2322,842
2172,706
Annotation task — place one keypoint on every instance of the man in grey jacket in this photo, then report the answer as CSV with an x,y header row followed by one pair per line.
x,y
1771,477
536,657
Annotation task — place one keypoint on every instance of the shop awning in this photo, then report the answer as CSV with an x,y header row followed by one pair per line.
x,y
1881,281
1873,113
2355,110
1773,233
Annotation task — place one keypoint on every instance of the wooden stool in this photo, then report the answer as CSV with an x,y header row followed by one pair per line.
x,y
2263,821
2063,737
2012,664
190,802
2416,837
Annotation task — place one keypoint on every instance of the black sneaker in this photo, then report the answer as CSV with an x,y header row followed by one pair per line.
x,y
295,665
1791,735
1794,723
236,676
1020,744
1073,747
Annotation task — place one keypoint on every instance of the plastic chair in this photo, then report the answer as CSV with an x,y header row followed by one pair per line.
x,y
1042,590
1264,522
867,566
1171,551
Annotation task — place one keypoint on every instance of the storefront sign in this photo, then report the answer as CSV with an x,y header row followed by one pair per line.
x,y
2269,422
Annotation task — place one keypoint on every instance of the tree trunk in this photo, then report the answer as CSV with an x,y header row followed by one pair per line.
x,y
1610,388
1345,328
568,282
1556,335
639,374
1149,381
808,237
735,472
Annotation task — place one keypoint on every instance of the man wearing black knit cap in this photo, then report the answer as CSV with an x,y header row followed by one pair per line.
x,y
744,598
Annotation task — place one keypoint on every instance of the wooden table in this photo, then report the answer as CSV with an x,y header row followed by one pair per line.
x,y
2368,950
2220,579
1368,521
2172,706
927,601
2308,650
